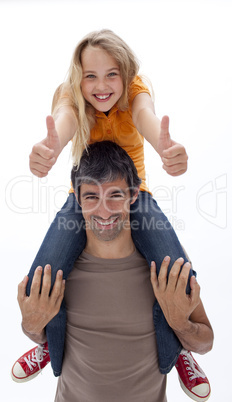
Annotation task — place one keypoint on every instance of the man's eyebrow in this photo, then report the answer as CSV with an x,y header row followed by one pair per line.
x,y
93,193
87,193
118,191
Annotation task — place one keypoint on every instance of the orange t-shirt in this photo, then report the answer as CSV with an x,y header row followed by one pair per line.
x,y
118,127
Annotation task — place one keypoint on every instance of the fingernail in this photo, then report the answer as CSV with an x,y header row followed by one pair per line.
x,y
166,258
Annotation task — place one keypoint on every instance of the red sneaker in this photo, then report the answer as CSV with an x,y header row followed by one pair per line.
x,y
30,364
192,379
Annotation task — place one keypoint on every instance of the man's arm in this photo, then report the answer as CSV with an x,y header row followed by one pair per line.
x,y
184,313
198,334
40,307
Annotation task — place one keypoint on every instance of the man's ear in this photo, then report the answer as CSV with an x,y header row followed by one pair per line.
x,y
135,195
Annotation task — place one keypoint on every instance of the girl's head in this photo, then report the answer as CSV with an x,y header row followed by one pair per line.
x,y
101,83
115,48
78,92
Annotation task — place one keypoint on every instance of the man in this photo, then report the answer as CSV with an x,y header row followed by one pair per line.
x,y
110,349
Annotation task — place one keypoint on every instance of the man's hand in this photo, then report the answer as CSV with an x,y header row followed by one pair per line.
x,y
40,307
173,155
171,295
44,154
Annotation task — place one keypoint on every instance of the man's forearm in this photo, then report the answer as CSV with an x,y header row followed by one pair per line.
x,y
37,338
197,337
197,334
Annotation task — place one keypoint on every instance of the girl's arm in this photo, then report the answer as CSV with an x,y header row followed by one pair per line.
x,y
145,120
156,132
59,132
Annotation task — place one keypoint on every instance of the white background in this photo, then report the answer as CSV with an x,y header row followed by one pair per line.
x,y
185,50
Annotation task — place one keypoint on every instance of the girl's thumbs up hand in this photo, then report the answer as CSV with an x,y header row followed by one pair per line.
x,y
173,155
53,141
45,153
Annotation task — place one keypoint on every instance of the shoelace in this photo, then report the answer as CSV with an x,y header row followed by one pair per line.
x,y
191,368
35,358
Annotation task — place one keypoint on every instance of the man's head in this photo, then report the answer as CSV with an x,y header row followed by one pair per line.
x,y
105,184
104,162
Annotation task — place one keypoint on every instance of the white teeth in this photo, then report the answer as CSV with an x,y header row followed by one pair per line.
x,y
102,97
106,223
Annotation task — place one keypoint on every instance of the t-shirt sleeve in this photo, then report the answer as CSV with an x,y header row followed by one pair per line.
x,y
137,87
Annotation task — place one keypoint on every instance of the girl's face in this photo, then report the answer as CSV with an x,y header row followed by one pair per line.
x,y
101,83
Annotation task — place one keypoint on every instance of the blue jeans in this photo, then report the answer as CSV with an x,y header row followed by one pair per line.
x,y
64,242
62,245
155,238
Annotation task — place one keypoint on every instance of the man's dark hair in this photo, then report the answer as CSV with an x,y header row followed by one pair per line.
x,y
103,162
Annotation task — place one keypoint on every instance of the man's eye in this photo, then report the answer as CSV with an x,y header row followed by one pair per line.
x,y
117,196
92,197
113,74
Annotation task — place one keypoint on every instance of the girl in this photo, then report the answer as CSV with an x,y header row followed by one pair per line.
x,y
103,98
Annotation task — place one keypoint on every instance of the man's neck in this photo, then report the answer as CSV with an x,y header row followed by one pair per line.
x,y
118,248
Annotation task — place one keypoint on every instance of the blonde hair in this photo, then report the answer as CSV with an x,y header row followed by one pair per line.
x,y
69,93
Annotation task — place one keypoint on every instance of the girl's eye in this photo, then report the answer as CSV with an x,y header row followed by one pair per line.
x,y
113,74
90,76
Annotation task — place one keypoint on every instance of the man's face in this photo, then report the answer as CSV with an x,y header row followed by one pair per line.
x,y
106,208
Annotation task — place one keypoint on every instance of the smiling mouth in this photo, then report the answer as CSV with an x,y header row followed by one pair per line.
x,y
102,98
108,223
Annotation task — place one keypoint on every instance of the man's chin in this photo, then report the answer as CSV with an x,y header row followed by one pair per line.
x,y
106,235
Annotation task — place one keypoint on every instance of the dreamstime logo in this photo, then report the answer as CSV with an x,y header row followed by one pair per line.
x,y
211,201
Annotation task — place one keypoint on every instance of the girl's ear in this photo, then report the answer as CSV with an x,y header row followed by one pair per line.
x,y
135,195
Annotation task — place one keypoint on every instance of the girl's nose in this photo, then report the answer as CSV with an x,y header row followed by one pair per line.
x,y
101,85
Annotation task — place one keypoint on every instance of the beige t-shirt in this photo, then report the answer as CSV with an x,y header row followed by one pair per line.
x,y
110,350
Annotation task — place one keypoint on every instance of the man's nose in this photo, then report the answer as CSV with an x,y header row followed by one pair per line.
x,y
104,209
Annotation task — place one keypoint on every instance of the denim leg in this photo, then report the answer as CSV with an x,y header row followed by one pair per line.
x,y
62,245
155,238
